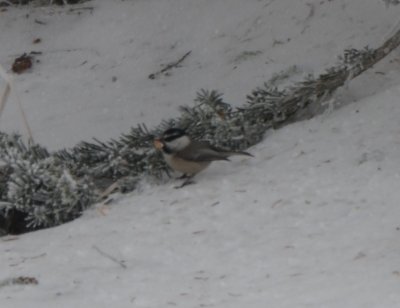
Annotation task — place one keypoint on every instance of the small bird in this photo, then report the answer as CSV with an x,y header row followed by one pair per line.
x,y
188,156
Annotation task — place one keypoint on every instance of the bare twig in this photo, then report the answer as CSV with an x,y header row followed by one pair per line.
x,y
9,238
39,22
110,257
24,118
310,15
4,97
170,66
23,259
7,89
109,190
90,8
21,280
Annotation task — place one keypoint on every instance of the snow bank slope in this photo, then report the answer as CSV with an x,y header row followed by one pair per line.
x,y
311,221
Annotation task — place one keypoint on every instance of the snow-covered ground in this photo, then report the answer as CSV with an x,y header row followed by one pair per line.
x,y
311,221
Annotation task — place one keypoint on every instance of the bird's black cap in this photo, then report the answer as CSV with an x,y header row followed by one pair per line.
x,y
172,134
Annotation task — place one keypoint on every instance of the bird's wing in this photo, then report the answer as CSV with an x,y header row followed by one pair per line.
x,y
202,151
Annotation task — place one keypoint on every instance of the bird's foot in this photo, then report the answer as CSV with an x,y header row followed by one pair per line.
x,y
185,183
183,176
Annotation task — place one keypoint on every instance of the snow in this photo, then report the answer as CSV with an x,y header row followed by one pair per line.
x,y
310,221
70,95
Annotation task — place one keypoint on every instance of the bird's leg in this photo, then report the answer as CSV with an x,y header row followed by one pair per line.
x,y
188,181
182,177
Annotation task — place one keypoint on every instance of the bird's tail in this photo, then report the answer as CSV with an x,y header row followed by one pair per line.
x,y
240,153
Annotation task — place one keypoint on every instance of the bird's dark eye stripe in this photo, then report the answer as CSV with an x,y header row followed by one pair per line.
x,y
171,137
173,133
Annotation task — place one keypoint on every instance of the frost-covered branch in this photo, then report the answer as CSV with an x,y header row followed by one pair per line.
x,y
41,189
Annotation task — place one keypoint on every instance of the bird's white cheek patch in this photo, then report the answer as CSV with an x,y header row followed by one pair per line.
x,y
179,143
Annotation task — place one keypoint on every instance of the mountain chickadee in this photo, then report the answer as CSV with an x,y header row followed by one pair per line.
x,y
188,156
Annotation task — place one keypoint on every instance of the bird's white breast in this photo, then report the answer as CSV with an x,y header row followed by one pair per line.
x,y
185,166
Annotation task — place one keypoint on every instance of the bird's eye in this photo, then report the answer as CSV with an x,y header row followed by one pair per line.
x,y
172,134
170,138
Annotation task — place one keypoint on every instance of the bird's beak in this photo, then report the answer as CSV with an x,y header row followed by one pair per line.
x,y
158,144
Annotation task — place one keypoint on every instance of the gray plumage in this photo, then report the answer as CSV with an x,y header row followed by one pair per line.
x,y
202,151
190,157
